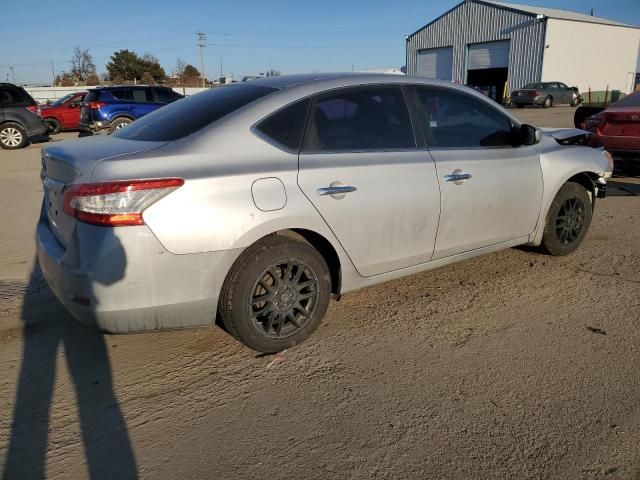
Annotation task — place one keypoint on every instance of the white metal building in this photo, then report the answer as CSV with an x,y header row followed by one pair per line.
x,y
486,43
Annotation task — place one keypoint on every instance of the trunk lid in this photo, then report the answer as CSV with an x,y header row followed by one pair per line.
x,y
618,122
73,162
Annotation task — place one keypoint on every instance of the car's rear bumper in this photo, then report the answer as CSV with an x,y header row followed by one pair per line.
x,y
123,279
95,126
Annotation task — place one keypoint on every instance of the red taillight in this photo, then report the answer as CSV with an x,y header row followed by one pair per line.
x,y
35,109
534,94
97,105
116,203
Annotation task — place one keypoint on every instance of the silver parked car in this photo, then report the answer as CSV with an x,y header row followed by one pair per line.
x,y
257,202
546,94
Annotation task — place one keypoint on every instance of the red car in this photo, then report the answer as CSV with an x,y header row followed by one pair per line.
x,y
618,127
64,113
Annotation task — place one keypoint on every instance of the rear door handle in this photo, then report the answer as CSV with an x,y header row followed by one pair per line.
x,y
457,177
337,190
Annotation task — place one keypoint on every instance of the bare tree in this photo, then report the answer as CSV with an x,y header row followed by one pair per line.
x,y
82,65
272,73
179,68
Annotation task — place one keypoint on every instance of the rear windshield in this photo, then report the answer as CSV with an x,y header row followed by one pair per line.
x,y
92,96
632,100
15,96
184,117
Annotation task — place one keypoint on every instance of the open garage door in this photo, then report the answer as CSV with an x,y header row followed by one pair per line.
x,y
488,68
436,63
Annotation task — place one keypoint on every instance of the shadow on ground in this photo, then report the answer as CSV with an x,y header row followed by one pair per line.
x,y
47,328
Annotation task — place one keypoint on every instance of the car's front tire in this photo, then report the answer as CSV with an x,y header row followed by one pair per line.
x,y
568,220
12,136
276,294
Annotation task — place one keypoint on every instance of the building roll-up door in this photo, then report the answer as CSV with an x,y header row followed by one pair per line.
x,y
488,55
435,63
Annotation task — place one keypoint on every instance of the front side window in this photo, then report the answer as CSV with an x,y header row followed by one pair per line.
x,y
456,120
286,125
373,118
165,95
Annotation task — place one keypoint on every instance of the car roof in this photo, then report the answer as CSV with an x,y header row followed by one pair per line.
x,y
343,79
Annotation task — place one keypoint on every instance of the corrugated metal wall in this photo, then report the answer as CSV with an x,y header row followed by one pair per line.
x,y
473,22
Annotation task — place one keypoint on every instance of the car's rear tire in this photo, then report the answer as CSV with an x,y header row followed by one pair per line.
x,y
119,123
276,294
568,220
53,126
520,105
548,102
12,136
575,101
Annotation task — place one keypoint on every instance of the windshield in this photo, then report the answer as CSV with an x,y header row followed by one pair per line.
x,y
184,117
533,86
60,101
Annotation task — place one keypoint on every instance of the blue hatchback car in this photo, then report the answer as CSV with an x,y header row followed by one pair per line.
x,y
116,107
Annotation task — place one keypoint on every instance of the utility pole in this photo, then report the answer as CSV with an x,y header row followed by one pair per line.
x,y
202,38
13,73
53,75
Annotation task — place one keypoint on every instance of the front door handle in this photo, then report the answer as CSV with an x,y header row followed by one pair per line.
x,y
457,177
336,190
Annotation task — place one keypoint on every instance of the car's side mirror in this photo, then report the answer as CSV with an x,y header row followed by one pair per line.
x,y
73,105
527,135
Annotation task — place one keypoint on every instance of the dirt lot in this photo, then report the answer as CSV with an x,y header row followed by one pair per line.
x,y
515,365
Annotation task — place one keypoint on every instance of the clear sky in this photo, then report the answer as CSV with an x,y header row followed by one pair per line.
x,y
250,36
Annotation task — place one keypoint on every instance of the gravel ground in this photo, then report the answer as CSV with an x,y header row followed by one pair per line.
x,y
515,365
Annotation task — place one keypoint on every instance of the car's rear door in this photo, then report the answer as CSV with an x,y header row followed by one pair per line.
x,y
491,191
361,169
142,101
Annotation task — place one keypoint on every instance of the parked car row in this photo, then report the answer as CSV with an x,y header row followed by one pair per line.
x,y
546,94
99,109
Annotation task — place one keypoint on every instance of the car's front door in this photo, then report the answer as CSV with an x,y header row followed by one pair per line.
x,y
491,191
361,169
70,112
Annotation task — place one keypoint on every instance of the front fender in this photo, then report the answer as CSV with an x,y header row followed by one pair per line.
x,y
559,163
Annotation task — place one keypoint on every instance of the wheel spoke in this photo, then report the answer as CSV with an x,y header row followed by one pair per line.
x,y
292,318
280,324
262,298
272,317
303,285
288,271
298,274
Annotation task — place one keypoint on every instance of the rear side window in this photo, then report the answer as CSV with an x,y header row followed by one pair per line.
x,y
186,116
122,94
13,96
456,120
286,126
142,95
372,118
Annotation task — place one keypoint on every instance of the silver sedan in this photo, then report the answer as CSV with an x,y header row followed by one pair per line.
x,y
256,203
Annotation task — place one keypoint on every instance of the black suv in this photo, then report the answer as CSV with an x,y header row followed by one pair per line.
x,y
116,107
19,117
